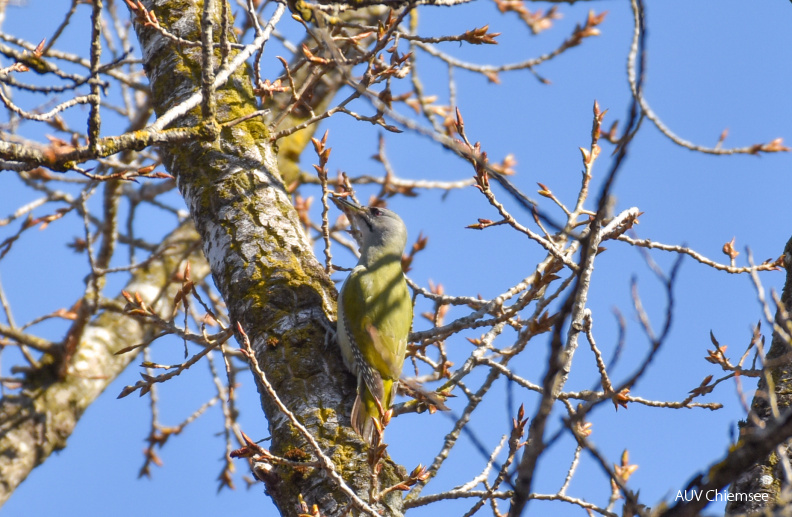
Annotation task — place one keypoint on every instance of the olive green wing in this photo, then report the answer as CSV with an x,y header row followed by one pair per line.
x,y
378,318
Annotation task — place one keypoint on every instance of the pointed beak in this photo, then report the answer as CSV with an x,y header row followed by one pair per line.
x,y
354,213
346,206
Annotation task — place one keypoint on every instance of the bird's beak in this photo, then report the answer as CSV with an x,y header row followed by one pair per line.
x,y
346,206
353,212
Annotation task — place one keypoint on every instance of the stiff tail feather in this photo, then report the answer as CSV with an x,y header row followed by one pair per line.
x,y
367,407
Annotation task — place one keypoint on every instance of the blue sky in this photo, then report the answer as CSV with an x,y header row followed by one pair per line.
x,y
711,65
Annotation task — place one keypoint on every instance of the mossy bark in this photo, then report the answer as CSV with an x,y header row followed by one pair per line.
x,y
767,476
264,267
38,421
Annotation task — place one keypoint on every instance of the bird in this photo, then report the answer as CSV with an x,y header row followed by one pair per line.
x,y
374,314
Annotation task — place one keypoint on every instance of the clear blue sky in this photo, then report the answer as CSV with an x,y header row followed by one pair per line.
x,y
711,65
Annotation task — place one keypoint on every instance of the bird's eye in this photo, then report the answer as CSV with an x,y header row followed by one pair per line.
x,y
375,211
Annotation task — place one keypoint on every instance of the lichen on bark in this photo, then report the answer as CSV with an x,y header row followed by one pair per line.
x,y
264,267
765,476
40,420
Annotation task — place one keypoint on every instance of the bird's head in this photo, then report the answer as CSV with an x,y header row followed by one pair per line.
x,y
378,231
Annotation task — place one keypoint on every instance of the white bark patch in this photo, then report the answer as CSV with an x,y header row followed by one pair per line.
x,y
296,319
89,363
216,245
89,360
277,420
22,447
155,43
182,26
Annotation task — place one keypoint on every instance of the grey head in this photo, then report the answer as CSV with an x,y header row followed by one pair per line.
x,y
378,231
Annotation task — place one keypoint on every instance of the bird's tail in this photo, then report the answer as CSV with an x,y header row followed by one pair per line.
x,y
368,408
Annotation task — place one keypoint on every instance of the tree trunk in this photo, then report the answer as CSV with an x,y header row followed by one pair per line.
x,y
264,268
767,476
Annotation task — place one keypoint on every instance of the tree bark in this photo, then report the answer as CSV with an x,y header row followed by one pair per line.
x,y
40,420
767,476
263,266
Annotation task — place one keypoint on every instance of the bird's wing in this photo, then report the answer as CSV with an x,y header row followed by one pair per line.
x,y
384,315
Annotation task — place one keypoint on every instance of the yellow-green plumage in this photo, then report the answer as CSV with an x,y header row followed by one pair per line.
x,y
374,313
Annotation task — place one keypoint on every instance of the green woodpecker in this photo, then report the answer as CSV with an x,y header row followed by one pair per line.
x,y
374,312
